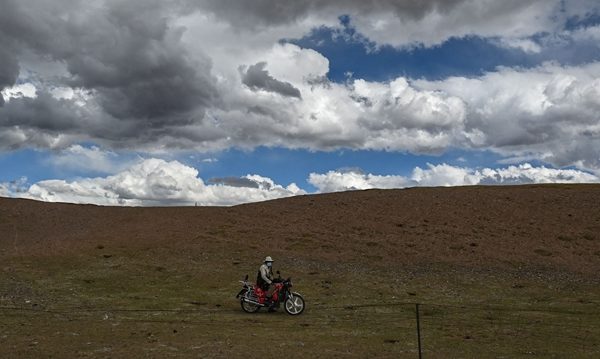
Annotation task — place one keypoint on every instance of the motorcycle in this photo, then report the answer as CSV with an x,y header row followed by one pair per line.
x,y
252,297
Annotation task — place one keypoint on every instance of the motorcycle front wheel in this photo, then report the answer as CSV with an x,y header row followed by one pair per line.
x,y
249,307
294,304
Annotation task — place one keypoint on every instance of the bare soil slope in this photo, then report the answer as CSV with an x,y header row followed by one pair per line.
x,y
538,226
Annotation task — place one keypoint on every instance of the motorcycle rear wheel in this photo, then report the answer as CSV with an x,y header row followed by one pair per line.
x,y
294,304
249,307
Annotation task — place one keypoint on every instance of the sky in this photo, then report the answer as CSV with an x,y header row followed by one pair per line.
x,y
222,102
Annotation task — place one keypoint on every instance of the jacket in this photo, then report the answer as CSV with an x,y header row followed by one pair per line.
x,y
264,277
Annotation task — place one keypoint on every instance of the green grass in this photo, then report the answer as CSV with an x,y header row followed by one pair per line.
x,y
162,303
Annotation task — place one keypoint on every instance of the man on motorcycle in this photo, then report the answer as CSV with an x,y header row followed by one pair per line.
x,y
264,277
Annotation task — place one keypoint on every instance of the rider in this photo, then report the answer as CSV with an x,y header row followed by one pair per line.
x,y
264,278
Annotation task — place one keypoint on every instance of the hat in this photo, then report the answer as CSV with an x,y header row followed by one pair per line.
x,y
268,259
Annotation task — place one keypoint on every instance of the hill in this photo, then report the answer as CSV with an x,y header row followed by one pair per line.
x,y
553,226
160,278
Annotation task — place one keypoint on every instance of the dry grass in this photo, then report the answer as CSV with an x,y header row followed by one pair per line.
x,y
488,264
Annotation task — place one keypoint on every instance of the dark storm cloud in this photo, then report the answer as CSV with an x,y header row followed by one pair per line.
x,y
137,64
9,65
234,182
257,78
48,122
251,13
126,53
43,112
9,68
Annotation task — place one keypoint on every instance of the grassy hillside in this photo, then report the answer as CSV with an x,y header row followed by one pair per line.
x,y
500,272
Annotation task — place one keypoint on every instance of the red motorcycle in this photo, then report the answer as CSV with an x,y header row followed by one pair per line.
x,y
252,297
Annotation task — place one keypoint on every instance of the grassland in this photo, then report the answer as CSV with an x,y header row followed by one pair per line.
x,y
84,281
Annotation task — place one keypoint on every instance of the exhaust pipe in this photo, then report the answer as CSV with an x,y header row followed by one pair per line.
x,y
252,302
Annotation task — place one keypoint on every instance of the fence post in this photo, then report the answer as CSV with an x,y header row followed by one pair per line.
x,y
418,331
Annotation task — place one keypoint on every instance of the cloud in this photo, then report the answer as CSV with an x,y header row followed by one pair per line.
x,y
234,182
358,114
9,63
334,181
380,20
447,175
397,116
126,54
21,90
154,182
89,160
526,173
526,45
160,76
133,59
42,121
13,188
444,175
550,110
257,78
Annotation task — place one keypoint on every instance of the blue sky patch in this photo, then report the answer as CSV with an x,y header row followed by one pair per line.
x,y
282,165
156,87
351,52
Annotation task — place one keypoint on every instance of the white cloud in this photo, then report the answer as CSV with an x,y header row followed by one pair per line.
x,y
395,115
526,173
13,188
21,90
334,181
550,111
446,175
524,44
359,114
156,182
4,190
